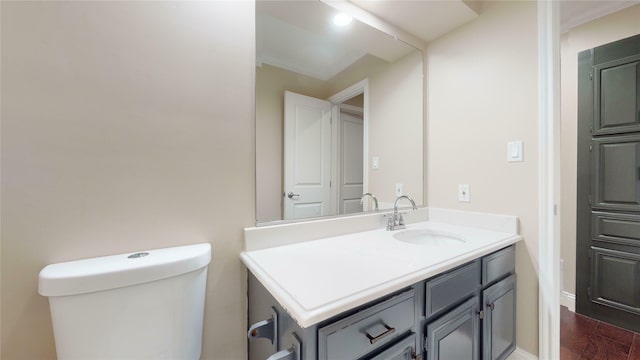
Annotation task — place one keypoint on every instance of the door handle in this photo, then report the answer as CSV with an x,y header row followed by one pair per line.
x,y
291,195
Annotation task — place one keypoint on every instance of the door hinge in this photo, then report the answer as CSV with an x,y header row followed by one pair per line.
x,y
590,147
591,75
425,347
589,199
589,292
481,314
590,129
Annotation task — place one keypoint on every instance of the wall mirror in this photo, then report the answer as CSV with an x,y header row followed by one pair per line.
x,y
339,113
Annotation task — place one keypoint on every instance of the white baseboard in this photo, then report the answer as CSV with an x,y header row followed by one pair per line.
x,y
569,300
520,354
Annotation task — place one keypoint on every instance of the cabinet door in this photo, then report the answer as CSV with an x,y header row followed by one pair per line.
x,y
499,323
456,334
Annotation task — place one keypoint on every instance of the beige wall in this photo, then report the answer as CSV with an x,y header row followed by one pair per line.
x,y
482,93
610,28
125,126
396,129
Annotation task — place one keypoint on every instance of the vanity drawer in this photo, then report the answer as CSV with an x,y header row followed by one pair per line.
x,y
404,349
367,330
616,228
448,289
498,265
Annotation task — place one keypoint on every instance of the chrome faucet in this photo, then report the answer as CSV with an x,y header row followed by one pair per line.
x,y
396,222
375,201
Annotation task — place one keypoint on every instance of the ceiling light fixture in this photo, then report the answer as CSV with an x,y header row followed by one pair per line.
x,y
342,19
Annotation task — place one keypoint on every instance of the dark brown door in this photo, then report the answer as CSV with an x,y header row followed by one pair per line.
x,y
608,206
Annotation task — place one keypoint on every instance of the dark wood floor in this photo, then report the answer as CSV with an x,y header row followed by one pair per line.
x,y
585,338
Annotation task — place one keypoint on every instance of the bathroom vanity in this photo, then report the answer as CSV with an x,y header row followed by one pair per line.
x,y
444,288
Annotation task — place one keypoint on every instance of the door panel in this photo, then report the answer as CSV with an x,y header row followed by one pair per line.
x,y
616,173
616,228
307,156
624,267
351,163
617,106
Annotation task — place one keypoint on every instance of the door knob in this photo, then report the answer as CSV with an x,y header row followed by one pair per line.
x,y
291,195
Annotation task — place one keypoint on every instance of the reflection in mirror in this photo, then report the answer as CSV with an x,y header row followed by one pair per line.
x,y
338,114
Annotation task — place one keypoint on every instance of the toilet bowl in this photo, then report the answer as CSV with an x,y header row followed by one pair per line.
x,y
143,305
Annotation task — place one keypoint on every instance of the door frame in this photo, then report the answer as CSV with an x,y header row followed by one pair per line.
x,y
361,87
548,180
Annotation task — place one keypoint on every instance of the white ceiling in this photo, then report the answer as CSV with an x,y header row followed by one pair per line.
x,y
429,19
298,35
574,13
426,20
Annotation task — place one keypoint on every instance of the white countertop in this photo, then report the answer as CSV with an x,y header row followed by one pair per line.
x,y
315,280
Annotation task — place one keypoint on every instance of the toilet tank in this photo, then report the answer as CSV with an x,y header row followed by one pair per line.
x,y
144,305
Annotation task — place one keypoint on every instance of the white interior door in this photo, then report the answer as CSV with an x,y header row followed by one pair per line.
x,y
351,162
307,156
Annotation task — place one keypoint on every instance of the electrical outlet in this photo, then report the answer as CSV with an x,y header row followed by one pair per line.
x,y
463,193
399,190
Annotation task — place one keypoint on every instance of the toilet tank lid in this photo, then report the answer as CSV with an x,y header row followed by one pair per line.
x,y
115,271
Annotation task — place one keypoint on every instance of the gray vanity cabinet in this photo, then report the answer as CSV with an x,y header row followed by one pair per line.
x,y
467,313
482,323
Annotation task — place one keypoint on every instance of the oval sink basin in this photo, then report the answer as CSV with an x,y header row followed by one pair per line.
x,y
427,237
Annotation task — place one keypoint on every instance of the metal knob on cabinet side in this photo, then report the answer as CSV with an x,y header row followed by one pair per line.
x,y
287,354
292,353
265,329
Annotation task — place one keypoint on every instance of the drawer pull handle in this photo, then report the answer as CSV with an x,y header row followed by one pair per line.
x,y
374,339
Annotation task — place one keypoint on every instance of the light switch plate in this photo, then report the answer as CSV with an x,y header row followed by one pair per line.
x,y
514,151
463,193
375,163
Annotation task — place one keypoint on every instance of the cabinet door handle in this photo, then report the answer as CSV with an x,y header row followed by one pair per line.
x,y
374,339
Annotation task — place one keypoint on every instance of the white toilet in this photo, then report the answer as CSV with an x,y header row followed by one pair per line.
x,y
146,305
